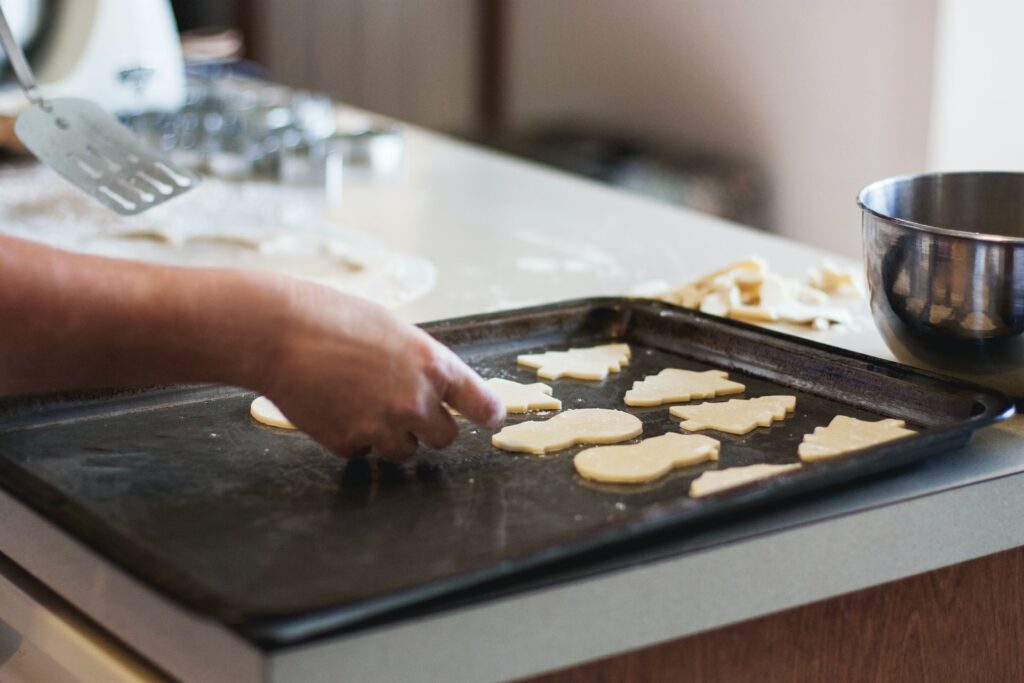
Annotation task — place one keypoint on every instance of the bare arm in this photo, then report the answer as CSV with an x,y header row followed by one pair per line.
x,y
344,370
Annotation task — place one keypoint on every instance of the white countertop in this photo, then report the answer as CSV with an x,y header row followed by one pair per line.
x,y
503,233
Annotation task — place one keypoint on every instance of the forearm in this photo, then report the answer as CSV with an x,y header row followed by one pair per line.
x,y
76,321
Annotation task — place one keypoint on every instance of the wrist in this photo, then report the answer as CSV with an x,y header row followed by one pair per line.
x,y
252,321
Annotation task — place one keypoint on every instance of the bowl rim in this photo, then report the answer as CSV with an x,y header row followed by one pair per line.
x,y
924,227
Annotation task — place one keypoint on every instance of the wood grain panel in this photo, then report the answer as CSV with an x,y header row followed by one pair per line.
x,y
412,60
962,623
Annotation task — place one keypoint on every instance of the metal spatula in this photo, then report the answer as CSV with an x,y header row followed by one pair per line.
x,y
86,145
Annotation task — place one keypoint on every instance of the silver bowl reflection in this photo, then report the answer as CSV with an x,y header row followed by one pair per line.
x,y
945,268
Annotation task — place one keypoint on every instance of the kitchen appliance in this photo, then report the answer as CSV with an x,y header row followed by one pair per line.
x,y
87,146
123,54
945,268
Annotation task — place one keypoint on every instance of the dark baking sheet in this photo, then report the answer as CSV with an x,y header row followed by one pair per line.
x,y
271,534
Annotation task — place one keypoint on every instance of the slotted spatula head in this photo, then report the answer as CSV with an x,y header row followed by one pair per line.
x,y
89,147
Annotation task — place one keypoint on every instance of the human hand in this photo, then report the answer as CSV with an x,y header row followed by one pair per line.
x,y
354,377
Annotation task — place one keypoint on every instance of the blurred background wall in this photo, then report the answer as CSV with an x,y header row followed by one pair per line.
x,y
822,96
813,99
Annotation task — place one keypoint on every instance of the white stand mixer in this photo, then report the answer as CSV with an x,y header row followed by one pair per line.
x,y
124,54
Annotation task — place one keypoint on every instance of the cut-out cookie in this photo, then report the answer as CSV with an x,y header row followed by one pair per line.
x,y
263,410
714,481
737,416
844,434
673,385
592,363
647,460
584,426
522,398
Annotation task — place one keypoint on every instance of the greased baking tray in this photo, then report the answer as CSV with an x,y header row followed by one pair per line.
x,y
271,534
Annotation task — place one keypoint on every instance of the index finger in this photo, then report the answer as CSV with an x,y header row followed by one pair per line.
x,y
471,396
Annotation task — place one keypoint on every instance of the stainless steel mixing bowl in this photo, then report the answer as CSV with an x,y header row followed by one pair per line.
x,y
945,267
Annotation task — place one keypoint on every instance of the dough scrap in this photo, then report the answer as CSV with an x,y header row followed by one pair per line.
x,y
832,278
738,416
522,398
713,481
748,291
844,434
783,300
691,295
592,363
645,461
264,411
673,385
583,426
227,239
164,235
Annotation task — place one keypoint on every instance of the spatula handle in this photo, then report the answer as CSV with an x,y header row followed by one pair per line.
x,y
18,62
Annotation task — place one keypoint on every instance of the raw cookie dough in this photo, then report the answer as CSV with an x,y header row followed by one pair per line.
x,y
747,290
737,416
587,425
844,434
166,236
783,300
522,398
691,295
714,481
673,385
594,362
835,279
647,460
263,410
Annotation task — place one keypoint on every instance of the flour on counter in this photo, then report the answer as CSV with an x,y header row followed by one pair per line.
x,y
257,226
565,255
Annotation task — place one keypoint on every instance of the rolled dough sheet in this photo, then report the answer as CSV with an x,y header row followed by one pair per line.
x,y
673,385
714,481
738,416
583,426
264,411
593,363
260,226
844,434
645,461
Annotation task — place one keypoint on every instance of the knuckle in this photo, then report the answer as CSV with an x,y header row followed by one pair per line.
x,y
404,411
448,432
434,361
439,440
